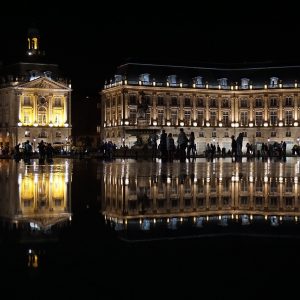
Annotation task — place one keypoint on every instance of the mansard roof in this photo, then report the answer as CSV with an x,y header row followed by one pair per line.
x,y
258,73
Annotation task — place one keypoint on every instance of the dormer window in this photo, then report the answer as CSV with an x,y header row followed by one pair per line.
x,y
273,81
245,83
198,81
223,82
145,78
118,78
172,80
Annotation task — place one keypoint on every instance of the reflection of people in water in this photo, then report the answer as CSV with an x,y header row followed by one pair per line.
x,y
142,107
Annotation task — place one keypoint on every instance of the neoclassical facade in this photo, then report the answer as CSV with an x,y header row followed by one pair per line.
x,y
35,101
215,103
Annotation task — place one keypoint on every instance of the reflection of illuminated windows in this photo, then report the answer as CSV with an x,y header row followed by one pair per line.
x,y
273,201
225,200
187,202
244,200
258,200
57,202
288,201
273,187
259,186
213,201
160,203
289,186
174,203
28,203
200,201
244,186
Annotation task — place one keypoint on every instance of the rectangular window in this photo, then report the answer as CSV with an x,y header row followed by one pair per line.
x,y
273,102
273,118
58,134
259,118
160,101
288,134
132,116
200,102
258,102
132,99
187,117
174,117
27,101
214,134
288,118
213,118
173,101
273,133
213,102
225,103
160,117
57,102
244,118
244,103
187,102
244,133
26,118
258,134
201,134
27,133
288,101
226,134
200,117
225,118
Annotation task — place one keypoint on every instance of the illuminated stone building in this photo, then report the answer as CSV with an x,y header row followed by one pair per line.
x,y
201,192
35,101
213,102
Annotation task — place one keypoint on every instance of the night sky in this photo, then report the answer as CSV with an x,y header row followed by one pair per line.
x,y
90,47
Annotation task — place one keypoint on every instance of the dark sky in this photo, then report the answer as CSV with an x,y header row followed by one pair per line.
x,y
90,46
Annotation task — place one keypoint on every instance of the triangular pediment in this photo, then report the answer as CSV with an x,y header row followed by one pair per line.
x,y
44,83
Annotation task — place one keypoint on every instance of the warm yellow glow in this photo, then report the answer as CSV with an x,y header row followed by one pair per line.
x,y
20,124
180,84
195,124
154,123
220,124
66,125
250,124
280,123
194,85
169,123
296,123
207,124
28,43
265,86
266,124
181,123
35,43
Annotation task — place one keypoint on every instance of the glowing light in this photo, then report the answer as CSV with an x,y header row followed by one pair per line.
x,y
181,123
180,84
154,83
207,124
265,86
194,85
296,123
35,124
126,122
20,124
251,124
169,123
154,123
50,125
220,124
266,124
280,123
250,86
194,124
66,125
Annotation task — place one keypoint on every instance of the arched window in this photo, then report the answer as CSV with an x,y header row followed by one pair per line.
x,y
42,115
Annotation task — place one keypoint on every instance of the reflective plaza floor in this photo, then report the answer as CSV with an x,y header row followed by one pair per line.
x,y
134,228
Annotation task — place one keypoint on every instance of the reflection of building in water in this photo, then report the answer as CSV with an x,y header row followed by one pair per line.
x,y
202,191
37,196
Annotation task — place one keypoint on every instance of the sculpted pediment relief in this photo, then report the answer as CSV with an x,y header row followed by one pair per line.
x,y
43,83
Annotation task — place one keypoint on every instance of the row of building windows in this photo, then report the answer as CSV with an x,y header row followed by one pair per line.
x,y
201,102
42,134
214,120
28,101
